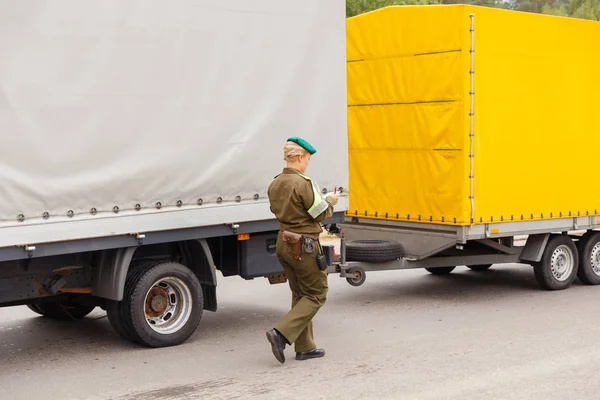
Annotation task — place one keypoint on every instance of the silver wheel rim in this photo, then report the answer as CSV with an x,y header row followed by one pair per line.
x,y
595,259
562,263
168,305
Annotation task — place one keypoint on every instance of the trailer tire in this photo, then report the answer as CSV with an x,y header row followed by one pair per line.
x,y
373,250
483,267
559,264
162,305
61,311
440,270
589,258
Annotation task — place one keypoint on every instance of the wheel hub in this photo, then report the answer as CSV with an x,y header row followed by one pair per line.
x,y
168,305
595,259
157,301
562,263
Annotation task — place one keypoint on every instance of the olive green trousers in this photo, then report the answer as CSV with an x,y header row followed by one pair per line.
x,y
309,292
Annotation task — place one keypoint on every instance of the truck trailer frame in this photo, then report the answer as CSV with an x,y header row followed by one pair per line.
x,y
558,249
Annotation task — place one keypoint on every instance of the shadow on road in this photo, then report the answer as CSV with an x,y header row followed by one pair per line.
x,y
26,338
38,334
459,286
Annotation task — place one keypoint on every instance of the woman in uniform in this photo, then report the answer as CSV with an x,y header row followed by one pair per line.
x,y
297,203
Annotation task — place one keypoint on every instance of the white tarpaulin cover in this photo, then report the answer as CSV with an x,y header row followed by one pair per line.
x,y
113,103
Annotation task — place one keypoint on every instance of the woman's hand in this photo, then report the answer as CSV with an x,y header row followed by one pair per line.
x,y
333,198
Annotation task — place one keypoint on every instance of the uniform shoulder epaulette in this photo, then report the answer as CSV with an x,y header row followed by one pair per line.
x,y
304,176
276,176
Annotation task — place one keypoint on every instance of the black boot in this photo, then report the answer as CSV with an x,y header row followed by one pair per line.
x,y
314,353
278,343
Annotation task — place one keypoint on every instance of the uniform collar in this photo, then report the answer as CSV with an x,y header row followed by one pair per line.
x,y
287,170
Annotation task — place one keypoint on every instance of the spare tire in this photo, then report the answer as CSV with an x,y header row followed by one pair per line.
x,y
373,250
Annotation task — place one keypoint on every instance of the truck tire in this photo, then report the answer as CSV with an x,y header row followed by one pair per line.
x,y
162,305
558,267
115,309
113,312
62,311
589,258
483,267
440,270
34,308
373,250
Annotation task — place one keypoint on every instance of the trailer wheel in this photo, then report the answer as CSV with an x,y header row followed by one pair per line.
x,y
162,305
483,267
360,279
60,310
373,250
440,271
558,267
589,259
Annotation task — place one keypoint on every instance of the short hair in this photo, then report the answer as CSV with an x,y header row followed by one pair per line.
x,y
291,150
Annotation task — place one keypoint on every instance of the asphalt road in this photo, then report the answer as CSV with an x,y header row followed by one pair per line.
x,y
402,335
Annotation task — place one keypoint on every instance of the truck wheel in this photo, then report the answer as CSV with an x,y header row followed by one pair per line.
x,y
162,305
373,250
558,267
589,259
483,267
60,310
440,271
115,309
34,308
113,312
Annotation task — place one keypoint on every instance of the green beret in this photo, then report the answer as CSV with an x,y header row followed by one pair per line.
x,y
304,144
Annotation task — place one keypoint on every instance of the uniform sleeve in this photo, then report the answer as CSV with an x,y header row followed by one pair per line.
x,y
307,195
269,196
328,213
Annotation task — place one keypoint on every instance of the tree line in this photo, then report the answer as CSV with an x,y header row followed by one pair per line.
x,y
584,9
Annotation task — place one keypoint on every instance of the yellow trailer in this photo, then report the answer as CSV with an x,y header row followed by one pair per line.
x,y
468,127
466,115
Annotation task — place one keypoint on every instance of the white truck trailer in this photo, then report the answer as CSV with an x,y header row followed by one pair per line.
x,y
138,142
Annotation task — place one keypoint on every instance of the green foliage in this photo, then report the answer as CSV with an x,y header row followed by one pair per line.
x,y
586,9
355,7
484,3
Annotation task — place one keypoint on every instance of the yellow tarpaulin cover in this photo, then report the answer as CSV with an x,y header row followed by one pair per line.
x,y
536,122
